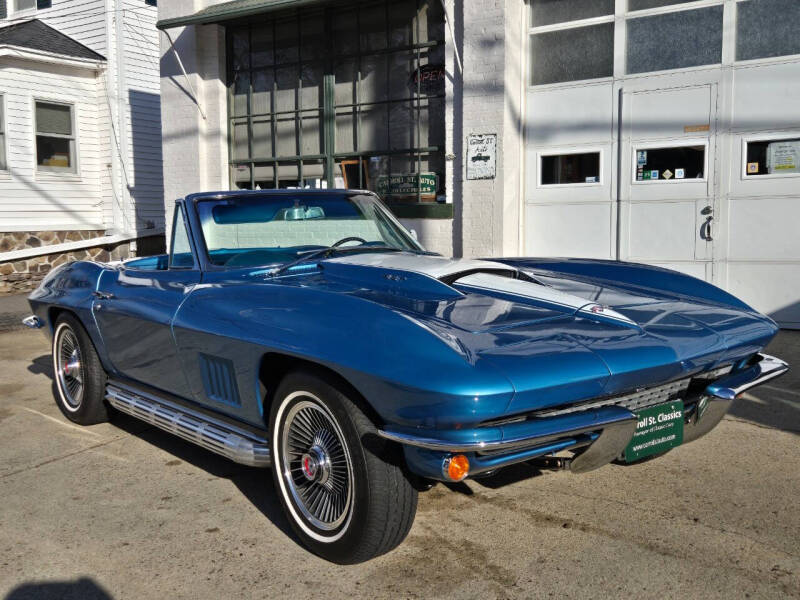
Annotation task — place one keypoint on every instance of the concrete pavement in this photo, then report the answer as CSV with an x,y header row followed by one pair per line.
x,y
122,510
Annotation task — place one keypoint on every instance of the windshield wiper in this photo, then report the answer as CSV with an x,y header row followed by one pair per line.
x,y
325,253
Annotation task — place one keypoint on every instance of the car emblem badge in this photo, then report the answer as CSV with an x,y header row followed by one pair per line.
x,y
597,308
309,467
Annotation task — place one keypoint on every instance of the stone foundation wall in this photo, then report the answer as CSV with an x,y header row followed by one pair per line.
x,y
24,275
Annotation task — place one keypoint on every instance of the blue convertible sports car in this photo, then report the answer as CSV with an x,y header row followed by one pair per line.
x,y
309,330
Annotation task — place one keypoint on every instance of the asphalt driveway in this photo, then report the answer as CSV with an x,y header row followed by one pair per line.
x,y
122,510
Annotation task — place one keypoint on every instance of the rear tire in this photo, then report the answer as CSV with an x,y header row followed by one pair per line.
x,y
80,380
342,487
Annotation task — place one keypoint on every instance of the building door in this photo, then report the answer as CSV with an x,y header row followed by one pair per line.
x,y
668,180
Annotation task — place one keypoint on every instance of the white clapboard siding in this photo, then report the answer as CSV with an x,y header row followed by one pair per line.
x,y
31,200
82,20
126,145
143,118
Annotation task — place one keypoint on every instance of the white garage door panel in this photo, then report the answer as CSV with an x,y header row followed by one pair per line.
x,y
582,230
665,113
771,289
570,115
662,230
766,97
693,269
764,229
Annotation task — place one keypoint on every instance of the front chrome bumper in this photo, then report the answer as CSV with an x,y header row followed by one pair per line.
x,y
601,433
33,322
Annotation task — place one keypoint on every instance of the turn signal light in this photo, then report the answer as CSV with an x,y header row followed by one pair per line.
x,y
456,467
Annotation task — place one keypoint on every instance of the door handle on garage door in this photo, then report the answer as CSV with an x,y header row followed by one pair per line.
x,y
705,229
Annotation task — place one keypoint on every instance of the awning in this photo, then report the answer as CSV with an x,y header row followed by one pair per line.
x,y
232,10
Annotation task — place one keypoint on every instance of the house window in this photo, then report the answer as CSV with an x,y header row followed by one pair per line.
x,y
345,96
560,169
55,137
675,163
773,157
3,166
24,4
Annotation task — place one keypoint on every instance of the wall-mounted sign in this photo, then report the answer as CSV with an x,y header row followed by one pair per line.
x,y
695,128
430,77
482,156
407,184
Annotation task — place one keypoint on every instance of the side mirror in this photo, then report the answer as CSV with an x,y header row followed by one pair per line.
x,y
413,233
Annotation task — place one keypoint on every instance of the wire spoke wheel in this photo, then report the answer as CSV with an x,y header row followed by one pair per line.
x,y
69,367
316,465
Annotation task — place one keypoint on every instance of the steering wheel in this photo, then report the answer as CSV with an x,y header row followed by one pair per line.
x,y
352,238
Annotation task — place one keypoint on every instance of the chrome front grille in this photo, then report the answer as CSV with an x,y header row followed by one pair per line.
x,y
633,401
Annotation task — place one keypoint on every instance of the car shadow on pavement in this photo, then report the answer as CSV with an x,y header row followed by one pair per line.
x,y
255,484
80,589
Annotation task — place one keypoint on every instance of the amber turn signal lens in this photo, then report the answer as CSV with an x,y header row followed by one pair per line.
x,y
457,467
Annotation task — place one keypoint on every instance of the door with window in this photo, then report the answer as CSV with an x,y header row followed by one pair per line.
x,y
134,306
668,182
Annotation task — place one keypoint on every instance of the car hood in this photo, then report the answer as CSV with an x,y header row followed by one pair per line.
x,y
557,339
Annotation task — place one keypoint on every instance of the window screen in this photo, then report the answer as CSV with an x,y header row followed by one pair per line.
x,y
2,136
573,54
671,164
773,157
55,140
767,28
570,168
24,4
548,12
688,38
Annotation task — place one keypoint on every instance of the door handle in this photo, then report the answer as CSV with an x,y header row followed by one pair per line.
x,y
103,295
705,229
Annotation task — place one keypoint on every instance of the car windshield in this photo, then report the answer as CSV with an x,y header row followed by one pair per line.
x,y
267,229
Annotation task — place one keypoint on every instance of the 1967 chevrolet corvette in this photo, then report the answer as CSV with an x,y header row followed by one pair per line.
x,y
309,330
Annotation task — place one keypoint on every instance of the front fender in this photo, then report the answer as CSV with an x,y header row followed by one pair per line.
x,y
409,375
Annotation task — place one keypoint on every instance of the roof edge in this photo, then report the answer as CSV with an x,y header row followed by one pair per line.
x,y
218,13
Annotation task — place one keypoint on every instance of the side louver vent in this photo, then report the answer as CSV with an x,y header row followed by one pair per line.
x,y
219,379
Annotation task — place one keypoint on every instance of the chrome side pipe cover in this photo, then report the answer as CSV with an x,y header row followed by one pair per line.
x,y
212,435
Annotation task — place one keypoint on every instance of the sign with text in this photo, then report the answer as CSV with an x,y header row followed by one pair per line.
x,y
482,156
407,184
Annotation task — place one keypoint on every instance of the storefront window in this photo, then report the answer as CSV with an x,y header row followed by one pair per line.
x,y
347,96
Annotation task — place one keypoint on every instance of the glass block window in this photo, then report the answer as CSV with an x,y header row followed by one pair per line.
x,y
55,137
560,169
549,12
676,40
343,96
766,28
572,54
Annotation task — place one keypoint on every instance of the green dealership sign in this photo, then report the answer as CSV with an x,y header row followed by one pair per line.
x,y
408,184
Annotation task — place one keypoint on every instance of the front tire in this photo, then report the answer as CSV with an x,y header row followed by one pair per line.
x,y
79,377
341,486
